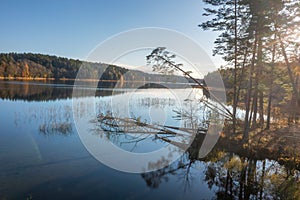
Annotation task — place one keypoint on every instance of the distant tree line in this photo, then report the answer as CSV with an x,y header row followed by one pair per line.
x,y
37,66
29,65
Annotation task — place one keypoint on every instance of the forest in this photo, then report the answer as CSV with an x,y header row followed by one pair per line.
x,y
29,65
260,42
32,66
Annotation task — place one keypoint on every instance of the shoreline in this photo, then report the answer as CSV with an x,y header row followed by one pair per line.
x,y
153,83
25,79
48,79
73,79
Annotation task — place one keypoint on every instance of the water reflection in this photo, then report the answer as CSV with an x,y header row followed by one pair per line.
x,y
41,155
54,118
232,172
189,117
231,176
156,119
44,91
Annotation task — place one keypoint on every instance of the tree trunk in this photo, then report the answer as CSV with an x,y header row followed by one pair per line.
x,y
248,98
271,84
269,109
261,109
292,79
235,68
258,71
254,105
241,76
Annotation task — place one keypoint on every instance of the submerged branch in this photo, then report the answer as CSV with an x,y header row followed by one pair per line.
x,y
131,125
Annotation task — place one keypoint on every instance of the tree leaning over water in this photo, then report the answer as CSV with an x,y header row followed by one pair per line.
x,y
163,61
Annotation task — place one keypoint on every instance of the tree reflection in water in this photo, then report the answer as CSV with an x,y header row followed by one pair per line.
x,y
232,172
232,176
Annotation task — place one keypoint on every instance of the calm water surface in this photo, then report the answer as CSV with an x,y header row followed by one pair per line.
x,y
42,156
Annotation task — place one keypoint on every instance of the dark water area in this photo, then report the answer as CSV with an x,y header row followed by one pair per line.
x,y
42,155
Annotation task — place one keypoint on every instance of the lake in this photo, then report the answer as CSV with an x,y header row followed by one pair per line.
x,y
45,155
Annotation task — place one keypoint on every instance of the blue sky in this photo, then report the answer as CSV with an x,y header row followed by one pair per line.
x,y
72,28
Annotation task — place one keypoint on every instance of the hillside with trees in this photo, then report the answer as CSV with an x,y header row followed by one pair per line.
x,y
30,65
39,66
